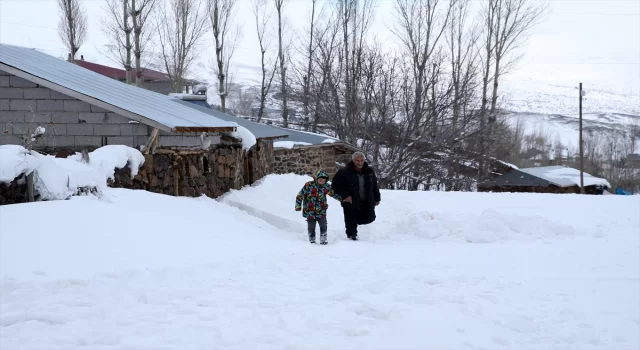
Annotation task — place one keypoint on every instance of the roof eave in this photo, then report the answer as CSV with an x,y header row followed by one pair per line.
x,y
272,137
204,129
334,144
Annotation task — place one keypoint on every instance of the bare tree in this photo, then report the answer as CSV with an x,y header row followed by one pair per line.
x,y
309,53
262,16
221,14
141,11
326,74
512,22
463,61
116,26
279,5
421,25
126,25
514,19
72,27
355,18
181,27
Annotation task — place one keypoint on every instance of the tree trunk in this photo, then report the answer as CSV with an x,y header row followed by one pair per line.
x,y
127,34
283,68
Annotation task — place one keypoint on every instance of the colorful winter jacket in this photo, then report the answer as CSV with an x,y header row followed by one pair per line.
x,y
312,198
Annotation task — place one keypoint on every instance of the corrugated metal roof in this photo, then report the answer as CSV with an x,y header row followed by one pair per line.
x,y
259,130
146,106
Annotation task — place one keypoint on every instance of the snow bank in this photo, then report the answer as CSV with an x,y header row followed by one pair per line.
x,y
455,216
108,158
147,271
247,137
61,178
15,160
127,229
289,144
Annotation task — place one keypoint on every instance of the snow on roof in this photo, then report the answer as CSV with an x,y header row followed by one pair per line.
x,y
564,176
289,144
139,104
188,97
258,129
307,138
507,164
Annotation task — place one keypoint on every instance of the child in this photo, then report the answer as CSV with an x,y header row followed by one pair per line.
x,y
312,200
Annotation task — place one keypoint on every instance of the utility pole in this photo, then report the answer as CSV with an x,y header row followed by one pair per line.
x,y
581,148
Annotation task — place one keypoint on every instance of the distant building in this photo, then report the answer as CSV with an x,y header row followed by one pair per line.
x,y
151,79
546,179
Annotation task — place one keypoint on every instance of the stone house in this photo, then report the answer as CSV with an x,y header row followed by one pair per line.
x,y
187,152
279,150
544,179
259,158
190,148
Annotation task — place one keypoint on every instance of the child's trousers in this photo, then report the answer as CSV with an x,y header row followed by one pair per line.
x,y
311,229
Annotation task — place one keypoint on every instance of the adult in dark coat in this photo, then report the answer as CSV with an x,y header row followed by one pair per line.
x,y
357,184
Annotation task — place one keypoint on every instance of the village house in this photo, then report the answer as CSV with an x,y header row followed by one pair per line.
x,y
280,150
190,148
187,152
545,179
259,158
300,153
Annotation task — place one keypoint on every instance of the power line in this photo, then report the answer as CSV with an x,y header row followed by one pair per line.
x,y
27,25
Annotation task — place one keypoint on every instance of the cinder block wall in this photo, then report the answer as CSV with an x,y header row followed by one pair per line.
x,y
69,122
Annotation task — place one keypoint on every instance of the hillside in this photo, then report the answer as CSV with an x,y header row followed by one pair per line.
x,y
137,270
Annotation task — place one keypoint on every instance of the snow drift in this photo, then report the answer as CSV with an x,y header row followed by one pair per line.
x,y
447,216
61,178
138,270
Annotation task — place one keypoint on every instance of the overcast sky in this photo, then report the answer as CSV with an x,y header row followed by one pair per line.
x,y
593,41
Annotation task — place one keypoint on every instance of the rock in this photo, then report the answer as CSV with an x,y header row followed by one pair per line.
x,y
148,163
153,181
193,171
189,192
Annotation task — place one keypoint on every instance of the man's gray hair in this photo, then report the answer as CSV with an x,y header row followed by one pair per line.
x,y
357,154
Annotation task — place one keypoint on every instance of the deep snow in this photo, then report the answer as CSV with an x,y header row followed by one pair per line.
x,y
137,270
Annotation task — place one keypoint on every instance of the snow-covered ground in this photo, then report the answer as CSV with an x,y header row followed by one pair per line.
x,y
136,270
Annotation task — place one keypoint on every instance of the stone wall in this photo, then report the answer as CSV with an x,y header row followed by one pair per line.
x,y
259,160
187,173
304,160
71,123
